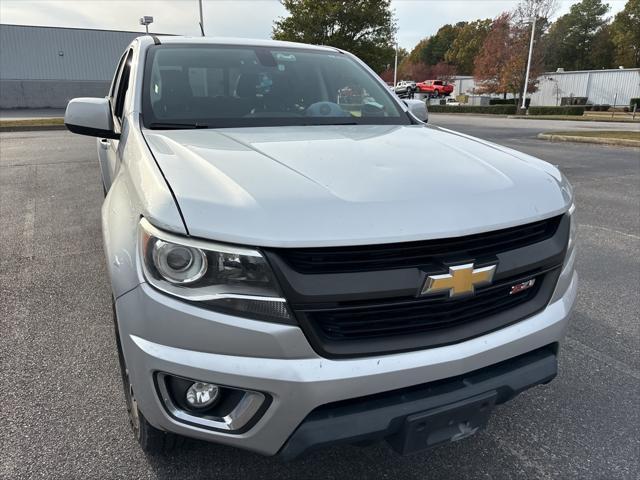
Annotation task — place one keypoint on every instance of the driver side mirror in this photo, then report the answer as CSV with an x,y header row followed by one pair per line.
x,y
418,108
90,116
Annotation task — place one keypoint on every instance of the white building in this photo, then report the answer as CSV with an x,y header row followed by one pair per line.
x,y
617,86
599,86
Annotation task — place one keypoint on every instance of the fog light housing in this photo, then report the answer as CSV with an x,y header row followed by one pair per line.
x,y
202,395
210,405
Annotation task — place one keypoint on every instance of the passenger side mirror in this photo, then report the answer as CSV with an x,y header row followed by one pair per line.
x,y
418,108
90,116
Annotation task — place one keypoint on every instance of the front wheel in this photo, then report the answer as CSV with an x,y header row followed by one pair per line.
x,y
150,439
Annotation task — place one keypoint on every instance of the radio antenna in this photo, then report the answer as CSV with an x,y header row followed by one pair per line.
x,y
201,21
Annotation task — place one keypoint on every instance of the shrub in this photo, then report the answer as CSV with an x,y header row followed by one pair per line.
x,y
633,102
502,101
566,101
492,109
509,101
567,110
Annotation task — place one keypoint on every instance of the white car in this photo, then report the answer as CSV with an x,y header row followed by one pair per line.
x,y
291,271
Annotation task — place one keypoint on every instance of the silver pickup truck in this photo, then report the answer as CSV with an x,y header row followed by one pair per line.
x,y
297,259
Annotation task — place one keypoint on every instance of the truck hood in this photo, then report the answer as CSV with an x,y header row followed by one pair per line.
x,y
350,185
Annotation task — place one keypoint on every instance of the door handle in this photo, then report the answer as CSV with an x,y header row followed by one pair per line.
x,y
104,143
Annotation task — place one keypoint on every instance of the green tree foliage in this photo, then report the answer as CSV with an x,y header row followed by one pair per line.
x,y
437,46
603,49
625,34
365,28
432,50
415,55
466,46
572,38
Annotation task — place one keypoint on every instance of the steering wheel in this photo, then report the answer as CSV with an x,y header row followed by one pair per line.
x,y
325,109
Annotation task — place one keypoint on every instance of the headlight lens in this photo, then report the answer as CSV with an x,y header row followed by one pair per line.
x,y
223,277
177,263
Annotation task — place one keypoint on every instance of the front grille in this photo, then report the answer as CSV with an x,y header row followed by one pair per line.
x,y
365,300
416,254
413,316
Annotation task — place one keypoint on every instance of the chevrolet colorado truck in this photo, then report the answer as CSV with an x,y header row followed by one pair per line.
x,y
296,267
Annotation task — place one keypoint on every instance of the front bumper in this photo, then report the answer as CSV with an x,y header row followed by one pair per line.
x,y
160,334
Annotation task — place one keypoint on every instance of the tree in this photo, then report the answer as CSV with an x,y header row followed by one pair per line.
x,y
420,71
603,49
494,54
572,37
417,71
432,50
442,71
364,27
527,9
467,44
625,34
501,65
387,74
437,46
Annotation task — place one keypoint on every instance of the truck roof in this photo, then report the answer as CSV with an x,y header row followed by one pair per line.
x,y
252,42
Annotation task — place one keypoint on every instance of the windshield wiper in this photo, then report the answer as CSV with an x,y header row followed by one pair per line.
x,y
169,125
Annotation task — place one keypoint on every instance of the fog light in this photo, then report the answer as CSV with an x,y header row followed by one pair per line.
x,y
202,395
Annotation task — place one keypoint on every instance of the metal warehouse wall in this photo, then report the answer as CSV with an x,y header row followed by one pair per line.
x,y
600,86
45,66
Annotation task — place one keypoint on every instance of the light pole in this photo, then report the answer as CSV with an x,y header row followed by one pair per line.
x,y
526,77
146,21
395,67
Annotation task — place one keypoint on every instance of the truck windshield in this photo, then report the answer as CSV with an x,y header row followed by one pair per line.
x,y
200,86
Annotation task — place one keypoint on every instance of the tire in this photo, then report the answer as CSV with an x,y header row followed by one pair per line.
x,y
151,440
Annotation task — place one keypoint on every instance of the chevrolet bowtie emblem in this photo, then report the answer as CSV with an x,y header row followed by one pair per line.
x,y
461,280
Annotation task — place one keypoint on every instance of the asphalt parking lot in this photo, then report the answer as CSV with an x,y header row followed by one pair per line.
x,y
61,405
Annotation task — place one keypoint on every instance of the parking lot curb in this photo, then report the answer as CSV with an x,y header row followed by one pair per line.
x,y
597,140
27,128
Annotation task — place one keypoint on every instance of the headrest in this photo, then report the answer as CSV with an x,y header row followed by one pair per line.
x,y
247,85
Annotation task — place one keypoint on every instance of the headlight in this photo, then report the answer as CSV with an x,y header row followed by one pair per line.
x,y
232,279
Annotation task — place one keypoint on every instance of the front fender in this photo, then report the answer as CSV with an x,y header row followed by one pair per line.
x,y
138,190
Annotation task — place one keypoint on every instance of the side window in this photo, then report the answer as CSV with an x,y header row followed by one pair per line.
x,y
116,76
122,87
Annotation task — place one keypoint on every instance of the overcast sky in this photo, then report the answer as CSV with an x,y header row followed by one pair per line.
x,y
241,18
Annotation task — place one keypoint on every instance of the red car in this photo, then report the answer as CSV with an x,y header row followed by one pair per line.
x,y
436,88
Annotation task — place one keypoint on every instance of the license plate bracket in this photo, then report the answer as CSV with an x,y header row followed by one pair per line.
x,y
449,423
